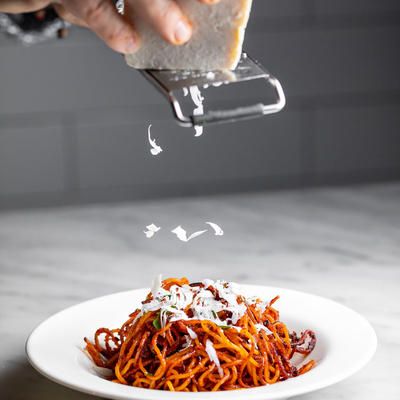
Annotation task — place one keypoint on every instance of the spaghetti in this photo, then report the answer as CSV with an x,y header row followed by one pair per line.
x,y
201,337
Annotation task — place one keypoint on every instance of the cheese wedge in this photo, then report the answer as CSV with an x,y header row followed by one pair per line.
x,y
216,43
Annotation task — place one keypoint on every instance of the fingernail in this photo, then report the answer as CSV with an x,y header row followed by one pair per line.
x,y
130,46
183,31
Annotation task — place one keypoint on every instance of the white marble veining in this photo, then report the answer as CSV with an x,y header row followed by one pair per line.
x,y
342,243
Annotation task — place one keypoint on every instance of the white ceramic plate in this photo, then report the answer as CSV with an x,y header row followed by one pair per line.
x,y
345,343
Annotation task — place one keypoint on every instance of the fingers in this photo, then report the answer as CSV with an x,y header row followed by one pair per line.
x,y
22,6
165,17
103,19
209,1
67,16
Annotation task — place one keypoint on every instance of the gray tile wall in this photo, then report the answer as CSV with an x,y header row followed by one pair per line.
x,y
73,117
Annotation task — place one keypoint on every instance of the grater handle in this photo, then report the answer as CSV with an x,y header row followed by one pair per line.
x,y
241,113
228,115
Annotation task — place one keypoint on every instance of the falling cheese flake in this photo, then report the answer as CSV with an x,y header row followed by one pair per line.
x,y
120,6
156,149
199,130
182,234
217,229
156,285
199,110
151,230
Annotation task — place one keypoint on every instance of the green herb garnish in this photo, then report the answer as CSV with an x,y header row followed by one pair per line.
x,y
157,322
225,327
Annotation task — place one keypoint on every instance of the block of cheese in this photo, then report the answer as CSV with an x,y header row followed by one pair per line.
x,y
216,43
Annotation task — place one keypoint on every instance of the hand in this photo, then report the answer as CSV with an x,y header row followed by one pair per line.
x,y
116,30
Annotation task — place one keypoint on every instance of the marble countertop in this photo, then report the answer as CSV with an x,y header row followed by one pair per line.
x,y
342,243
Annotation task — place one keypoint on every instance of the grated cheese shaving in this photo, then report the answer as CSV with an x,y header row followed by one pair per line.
x,y
192,333
155,148
156,285
217,229
213,356
151,230
182,234
199,110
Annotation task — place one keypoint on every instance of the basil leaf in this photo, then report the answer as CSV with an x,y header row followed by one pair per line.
x,y
225,327
157,323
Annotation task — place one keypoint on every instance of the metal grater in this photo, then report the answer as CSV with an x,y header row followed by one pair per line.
x,y
168,81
